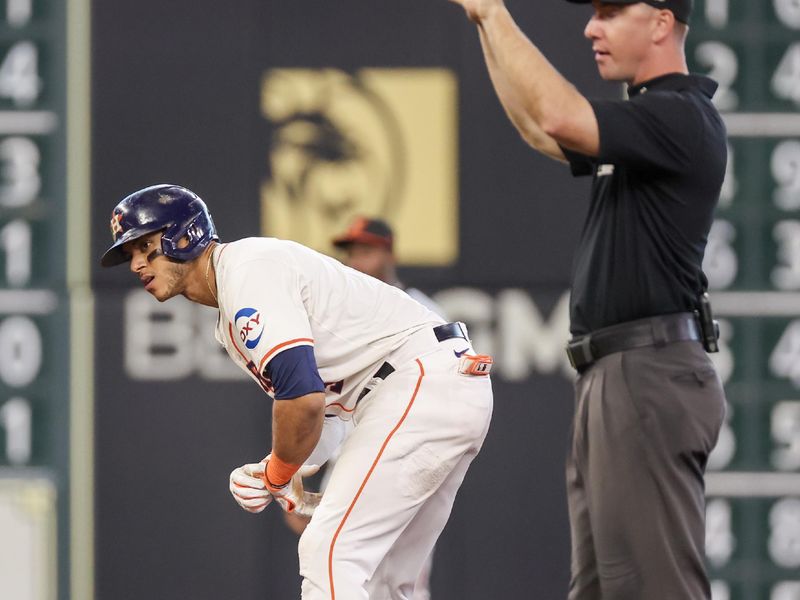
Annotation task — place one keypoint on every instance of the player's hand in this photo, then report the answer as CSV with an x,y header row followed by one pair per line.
x,y
292,497
478,10
248,489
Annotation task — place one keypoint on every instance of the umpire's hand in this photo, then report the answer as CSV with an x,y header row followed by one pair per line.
x,y
478,10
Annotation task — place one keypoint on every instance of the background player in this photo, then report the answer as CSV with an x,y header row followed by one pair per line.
x,y
328,342
649,402
368,245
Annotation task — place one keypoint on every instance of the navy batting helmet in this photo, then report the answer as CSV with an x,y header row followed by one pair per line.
x,y
179,212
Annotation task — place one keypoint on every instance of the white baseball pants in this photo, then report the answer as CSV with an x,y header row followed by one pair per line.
x,y
393,486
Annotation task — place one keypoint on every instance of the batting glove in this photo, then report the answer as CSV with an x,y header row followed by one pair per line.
x,y
291,496
248,489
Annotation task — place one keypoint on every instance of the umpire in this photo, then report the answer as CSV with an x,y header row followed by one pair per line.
x,y
649,403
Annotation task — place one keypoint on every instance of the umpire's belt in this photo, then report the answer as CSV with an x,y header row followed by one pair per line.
x,y
652,331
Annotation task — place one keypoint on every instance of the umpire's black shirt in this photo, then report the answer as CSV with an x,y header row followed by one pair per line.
x,y
656,182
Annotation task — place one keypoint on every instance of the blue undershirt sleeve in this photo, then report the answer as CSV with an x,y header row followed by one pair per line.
x,y
294,373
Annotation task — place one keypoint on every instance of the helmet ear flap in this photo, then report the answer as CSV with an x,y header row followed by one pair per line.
x,y
198,232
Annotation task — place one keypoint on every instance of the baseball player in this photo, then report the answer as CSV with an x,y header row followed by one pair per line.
x,y
327,343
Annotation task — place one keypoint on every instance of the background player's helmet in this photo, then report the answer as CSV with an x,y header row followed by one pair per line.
x,y
179,212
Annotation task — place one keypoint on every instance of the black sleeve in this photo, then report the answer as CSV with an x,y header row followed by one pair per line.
x,y
579,164
655,129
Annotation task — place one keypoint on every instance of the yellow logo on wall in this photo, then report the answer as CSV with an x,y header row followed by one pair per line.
x,y
378,142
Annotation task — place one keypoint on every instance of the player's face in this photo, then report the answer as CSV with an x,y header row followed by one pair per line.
x,y
621,38
372,260
160,276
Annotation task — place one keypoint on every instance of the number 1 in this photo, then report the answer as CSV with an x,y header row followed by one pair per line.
x,y
15,418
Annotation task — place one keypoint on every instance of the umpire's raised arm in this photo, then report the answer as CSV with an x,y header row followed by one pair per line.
x,y
545,108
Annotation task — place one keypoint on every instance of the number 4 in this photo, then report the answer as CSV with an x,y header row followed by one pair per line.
x,y
19,74
786,81
785,358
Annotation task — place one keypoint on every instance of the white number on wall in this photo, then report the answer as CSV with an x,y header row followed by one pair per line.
x,y
717,12
729,184
723,67
786,590
15,419
785,429
786,80
723,453
721,263
724,361
20,351
785,166
788,12
15,244
784,539
720,541
19,74
785,358
720,590
20,180
18,12
786,276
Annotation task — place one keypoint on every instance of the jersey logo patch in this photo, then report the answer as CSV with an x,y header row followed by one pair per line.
x,y
250,325
460,354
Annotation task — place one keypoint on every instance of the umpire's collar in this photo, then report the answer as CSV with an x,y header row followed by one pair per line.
x,y
675,82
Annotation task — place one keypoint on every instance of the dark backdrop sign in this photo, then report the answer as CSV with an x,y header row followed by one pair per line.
x,y
289,117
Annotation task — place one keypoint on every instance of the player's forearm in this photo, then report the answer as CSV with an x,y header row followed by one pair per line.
x,y
296,426
539,101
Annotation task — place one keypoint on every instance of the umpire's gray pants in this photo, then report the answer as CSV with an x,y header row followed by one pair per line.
x,y
645,422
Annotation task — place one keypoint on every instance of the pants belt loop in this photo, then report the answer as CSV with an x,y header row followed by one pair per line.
x,y
448,331
659,329
381,374
586,349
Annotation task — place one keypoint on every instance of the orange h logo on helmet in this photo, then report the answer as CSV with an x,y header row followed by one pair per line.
x,y
116,225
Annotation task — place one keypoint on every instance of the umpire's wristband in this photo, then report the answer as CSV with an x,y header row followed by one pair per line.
x,y
278,473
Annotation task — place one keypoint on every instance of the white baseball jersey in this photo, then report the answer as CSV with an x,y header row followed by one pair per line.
x,y
425,300
275,294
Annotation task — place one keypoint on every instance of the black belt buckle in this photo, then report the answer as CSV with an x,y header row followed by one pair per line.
x,y
580,353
